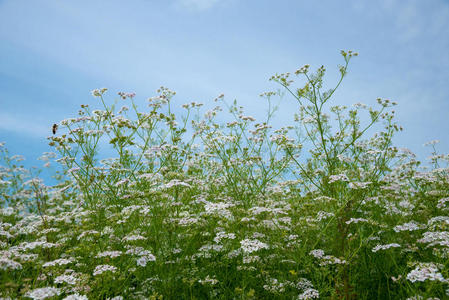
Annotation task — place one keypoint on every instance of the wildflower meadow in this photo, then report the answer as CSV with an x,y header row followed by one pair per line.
x,y
149,204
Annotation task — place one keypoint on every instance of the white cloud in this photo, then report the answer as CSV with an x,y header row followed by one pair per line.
x,y
413,18
23,125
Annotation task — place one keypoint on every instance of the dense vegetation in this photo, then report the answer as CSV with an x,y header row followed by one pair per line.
x,y
189,208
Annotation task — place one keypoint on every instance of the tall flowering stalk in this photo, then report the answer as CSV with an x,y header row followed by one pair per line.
x,y
338,166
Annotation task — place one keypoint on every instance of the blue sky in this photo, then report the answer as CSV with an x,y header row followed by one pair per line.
x,y
53,53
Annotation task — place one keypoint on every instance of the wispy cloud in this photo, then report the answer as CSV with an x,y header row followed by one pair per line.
x,y
219,46
196,5
414,18
23,125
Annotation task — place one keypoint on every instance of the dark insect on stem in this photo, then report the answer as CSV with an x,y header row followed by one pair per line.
x,y
54,128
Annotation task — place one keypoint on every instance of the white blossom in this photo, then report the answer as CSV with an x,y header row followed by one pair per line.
x,y
385,247
250,246
76,297
309,293
43,293
143,260
69,279
425,271
6,264
411,226
104,268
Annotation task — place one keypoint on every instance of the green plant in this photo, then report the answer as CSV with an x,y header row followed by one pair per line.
x,y
156,205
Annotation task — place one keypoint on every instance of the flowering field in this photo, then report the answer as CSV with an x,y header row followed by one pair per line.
x,y
189,208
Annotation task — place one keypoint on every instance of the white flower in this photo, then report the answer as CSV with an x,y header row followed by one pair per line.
x,y
176,182
385,247
360,105
331,260
59,262
138,251
27,257
356,220
186,221
438,222
436,238
274,286
442,203
210,247
250,246
219,208
250,259
111,254
69,279
411,226
85,233
317,253
223,235
6,264
247,118
304,284
76,297
208,280
309,294
135,237
104,268
425,271
431,143
32,245
326,259
344,158
322,215
359,185
143,260
258,210
43,293
96,93
9,211
338,177
122,182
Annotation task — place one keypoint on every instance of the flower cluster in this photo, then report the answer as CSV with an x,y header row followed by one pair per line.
x,y
252,245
